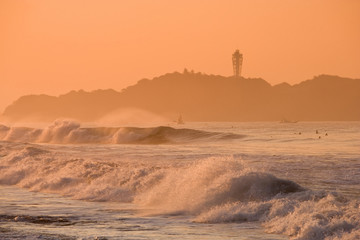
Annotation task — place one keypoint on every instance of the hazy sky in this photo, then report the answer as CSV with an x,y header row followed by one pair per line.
x,y
54,46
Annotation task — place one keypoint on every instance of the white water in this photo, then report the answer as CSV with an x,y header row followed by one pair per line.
x,y
214,180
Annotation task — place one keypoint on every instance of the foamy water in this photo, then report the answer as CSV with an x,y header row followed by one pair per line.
x,y
201,181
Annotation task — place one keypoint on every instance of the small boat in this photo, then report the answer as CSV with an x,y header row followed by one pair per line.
x,y
180,120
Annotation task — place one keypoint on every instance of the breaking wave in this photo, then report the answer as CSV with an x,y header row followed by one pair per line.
x,y
70,132
212,190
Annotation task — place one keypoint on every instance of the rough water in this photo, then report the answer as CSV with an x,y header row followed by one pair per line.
x,y
191,181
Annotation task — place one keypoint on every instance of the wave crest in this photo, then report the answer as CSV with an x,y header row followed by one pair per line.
x,y
70,132
213,190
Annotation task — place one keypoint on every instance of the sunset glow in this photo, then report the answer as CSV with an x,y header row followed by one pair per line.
x,y
56,46
180,119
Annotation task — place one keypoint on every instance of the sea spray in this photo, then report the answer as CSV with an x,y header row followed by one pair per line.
x,y
212,190
71,132
303,215
211,182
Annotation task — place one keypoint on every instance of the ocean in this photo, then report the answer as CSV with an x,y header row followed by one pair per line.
x,y
256,180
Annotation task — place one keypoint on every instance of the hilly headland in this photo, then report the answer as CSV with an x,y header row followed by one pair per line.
x,y
201,97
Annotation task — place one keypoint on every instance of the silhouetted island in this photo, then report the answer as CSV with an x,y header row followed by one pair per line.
x,y
200,97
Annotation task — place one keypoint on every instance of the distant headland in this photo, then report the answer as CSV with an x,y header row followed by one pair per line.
x,y
201,97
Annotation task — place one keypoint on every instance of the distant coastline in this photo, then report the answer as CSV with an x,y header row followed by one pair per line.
x,y
200,97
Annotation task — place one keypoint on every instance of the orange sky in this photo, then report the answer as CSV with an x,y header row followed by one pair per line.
x,y
54,46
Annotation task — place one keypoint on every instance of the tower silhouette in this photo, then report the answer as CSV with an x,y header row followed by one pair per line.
x,y
237,59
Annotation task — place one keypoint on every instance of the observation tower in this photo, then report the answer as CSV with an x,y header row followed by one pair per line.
x,y
237,59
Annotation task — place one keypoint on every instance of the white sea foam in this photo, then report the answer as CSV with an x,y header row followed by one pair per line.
x,y
212,190
304,215
71,132
60,131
